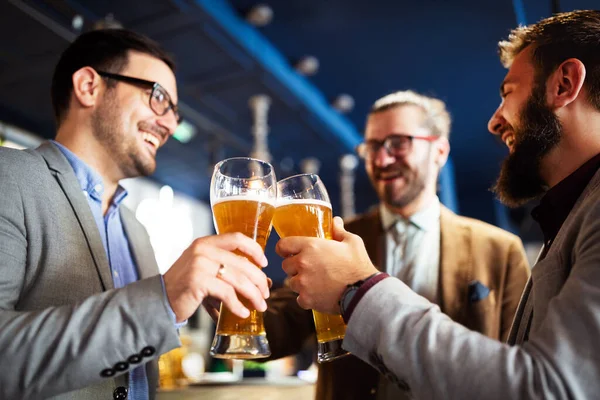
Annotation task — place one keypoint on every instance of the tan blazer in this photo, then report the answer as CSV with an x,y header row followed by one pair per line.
x,y
470,251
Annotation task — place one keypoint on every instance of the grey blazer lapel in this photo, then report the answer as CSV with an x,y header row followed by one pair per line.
x,y
139,243
67,180
524,315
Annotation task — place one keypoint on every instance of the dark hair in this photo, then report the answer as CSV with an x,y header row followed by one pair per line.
x,y
105,50
573,34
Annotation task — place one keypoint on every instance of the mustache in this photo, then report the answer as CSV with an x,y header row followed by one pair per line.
x,y
395,171
498,138
161,132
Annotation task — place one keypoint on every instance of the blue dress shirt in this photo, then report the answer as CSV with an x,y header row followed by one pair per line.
x,y
122,264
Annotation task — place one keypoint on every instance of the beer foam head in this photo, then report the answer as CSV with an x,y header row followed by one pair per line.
x,y
285,202
248,197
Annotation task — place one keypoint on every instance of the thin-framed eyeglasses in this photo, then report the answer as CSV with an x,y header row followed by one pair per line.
x,y
396,145
160,101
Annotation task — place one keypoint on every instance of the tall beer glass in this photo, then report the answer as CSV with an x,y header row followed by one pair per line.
x,y
304,209
242,196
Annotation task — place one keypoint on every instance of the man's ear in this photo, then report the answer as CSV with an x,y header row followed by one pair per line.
x,y
442,150
86,87
564,85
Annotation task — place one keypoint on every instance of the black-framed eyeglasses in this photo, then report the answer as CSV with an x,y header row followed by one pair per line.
x,y
396,145
160,101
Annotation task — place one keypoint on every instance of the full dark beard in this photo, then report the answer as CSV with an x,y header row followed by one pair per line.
x,y
122,147
540,131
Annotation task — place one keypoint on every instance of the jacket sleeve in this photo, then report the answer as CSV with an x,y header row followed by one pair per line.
x,y
517,274
288,326
412,342
59,349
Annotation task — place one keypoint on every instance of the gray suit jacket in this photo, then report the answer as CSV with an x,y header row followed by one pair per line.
x,y
553,350
61,321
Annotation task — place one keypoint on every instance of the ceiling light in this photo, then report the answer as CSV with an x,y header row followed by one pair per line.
x,y
260,15
348,162
310,165
108,22
307,65
344,103
77,22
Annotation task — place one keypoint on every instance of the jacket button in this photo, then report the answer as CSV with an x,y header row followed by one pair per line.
x,y
120,393
121,366
134,359
402,384
107,373
148,351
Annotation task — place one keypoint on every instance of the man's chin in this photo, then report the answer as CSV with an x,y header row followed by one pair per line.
x,y
515,193
149,171
519,181
397,183
510,200
146,168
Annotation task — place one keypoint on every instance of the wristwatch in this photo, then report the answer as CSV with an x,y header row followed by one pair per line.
x,y
350,292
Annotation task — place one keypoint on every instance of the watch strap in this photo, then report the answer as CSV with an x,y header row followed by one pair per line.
x,y
357,291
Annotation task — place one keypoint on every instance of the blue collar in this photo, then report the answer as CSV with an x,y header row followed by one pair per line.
x,y
89,180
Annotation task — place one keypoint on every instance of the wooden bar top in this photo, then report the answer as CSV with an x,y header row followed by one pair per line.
x,y
248,389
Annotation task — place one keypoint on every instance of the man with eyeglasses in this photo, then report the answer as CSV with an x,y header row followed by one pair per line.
x,y
84,313
474,271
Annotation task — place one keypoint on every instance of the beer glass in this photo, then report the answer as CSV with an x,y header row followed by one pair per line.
x,y
242,196
304,209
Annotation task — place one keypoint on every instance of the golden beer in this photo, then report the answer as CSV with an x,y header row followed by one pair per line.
x,y
307,217
252,217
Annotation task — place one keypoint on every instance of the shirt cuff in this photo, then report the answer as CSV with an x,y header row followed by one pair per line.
x,y
171,312
362,290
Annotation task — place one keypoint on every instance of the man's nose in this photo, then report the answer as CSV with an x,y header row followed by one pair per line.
x,y
382,157
497,122
169,122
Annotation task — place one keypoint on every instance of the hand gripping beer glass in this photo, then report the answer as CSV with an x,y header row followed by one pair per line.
x,y
242,196
304,209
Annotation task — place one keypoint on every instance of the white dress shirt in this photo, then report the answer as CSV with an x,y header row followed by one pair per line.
x,y
412,255
413,248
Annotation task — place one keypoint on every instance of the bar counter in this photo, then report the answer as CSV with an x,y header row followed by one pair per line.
x,y
247,389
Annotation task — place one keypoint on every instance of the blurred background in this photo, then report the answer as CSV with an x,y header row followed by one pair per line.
x,y
291,80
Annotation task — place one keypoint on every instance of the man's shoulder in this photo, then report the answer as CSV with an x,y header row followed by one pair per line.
x,y
19,162
481,230
14,158
359,222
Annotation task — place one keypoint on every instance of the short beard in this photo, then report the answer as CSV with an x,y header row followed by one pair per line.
x,y
539,132
413,189
108,130
412,192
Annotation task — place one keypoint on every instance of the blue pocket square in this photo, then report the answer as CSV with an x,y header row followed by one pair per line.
x,y
477,291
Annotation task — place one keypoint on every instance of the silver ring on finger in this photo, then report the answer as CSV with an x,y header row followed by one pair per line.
x,y
221,271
